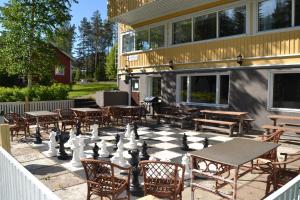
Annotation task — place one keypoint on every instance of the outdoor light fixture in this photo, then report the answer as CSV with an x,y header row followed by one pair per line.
x,y
171,65
239,59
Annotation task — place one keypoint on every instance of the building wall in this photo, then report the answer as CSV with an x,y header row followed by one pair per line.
x,y
66,62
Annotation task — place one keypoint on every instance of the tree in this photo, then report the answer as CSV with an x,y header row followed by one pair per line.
x,y
64,37
27,27
110,65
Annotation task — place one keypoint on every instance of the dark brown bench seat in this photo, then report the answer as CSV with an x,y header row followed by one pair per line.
x,y
180,120
200,123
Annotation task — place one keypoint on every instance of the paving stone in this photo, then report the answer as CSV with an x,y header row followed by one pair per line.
x,y
77,192
29,157
49,171
39,163
22,151
63,181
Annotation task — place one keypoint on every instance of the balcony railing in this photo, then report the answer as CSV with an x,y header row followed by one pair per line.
x,y
18,183
290,191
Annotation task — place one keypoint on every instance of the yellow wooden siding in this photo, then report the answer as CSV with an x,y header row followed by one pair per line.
x,y
124,28
223,51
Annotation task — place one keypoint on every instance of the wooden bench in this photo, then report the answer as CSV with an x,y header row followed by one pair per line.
x,y
271,127
200,122
180,120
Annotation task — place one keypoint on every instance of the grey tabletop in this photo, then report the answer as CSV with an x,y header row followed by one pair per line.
x,y
85,109
235,152
41,113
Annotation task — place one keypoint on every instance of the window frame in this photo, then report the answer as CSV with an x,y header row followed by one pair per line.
x,y
63,72
132,85
256,24
150,85
271,90
218,90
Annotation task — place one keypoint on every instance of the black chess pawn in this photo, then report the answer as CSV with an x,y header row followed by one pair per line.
x,y
38,139
135,187
78,127
117,139
205,142
62,139
185,146
95,152
144,154
135,127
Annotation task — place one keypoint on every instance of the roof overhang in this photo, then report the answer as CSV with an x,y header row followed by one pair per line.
x,y
157,9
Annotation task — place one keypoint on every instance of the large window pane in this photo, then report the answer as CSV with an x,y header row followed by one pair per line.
x,y
203,89
273,14
183,92
142,40
128,43
182,31
297,13
286,91
232,21
157,37
205,27
156,86
224,89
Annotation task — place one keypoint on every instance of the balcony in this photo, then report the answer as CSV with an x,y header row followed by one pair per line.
x,y
132,12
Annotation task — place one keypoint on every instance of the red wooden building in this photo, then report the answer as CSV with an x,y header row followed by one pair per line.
x,y
63,72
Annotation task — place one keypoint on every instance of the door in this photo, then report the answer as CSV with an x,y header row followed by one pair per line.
x,y
135,94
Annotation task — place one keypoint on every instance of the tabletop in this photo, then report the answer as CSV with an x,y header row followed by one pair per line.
x,y
125,106
221,112
235,152
41,113
85,109
284,117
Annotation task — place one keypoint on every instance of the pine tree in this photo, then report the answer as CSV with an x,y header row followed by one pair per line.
x,y
110,65
64,37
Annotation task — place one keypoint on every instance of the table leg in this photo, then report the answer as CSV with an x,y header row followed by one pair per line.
x,y
274,122
236,174
241,126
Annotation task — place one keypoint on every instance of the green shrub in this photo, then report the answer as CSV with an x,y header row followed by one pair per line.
x,y
36,93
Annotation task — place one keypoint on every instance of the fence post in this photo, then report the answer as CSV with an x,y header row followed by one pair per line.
x,y
5,137
26,107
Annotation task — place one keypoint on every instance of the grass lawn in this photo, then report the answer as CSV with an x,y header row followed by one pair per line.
x,y
88,89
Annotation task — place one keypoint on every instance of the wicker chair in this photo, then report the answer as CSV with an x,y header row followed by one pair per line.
x,y
67,118
101,179
105,116
116,114
16,124
280,174
163,179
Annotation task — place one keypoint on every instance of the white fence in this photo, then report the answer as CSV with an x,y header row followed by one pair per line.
x,y
290,191
19,107
18,183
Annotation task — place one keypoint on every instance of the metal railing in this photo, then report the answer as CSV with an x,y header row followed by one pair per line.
x,y
16,182
290,191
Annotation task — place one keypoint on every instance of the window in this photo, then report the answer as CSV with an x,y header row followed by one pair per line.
x,y
156,86
204,89
273,14
232,21
157,37
286,91
297,13
128,42
205,27
182,31
60,70
142,40
135,85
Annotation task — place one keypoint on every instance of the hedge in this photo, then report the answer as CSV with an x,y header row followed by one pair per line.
x,y
36,93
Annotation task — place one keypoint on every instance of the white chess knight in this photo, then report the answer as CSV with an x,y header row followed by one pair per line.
x,y
128,130
186,162
81,147
75,162
72,135
104,153
132,143
52,144
95,135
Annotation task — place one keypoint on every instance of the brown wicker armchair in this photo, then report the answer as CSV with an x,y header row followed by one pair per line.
x,y
101,179
16,124
105,116
67,118
280,174
163,179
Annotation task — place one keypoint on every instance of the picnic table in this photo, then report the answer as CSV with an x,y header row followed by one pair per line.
x,y
274,118
217,163
240,115
289,125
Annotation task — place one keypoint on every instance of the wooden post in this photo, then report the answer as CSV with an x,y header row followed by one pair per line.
x,y
27,104
5,137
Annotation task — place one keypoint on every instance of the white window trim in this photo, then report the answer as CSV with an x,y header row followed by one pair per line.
x,y
292,27
271,90
188,102
60,74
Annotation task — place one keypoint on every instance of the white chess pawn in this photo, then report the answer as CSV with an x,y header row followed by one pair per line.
x,y
75,162
132,143
128,131
103,152
120,152
81,148
72,135
52,144
95,132
186,162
